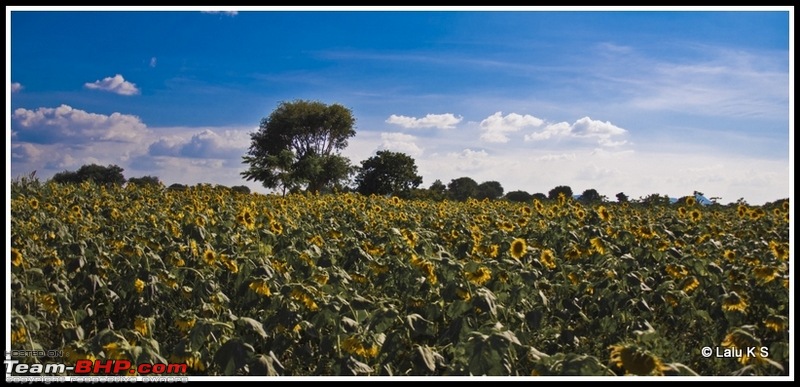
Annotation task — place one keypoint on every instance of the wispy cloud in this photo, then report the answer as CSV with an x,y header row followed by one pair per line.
x,y
441,121
153,61
116,84
16,87
496,127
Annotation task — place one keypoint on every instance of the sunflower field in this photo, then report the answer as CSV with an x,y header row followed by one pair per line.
x,y
345,284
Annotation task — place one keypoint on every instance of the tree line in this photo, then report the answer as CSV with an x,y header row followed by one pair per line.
x,y
298,148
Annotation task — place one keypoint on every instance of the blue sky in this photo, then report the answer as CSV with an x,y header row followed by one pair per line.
x,y
619,100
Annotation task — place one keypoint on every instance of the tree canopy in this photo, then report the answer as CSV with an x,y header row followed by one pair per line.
x,y
565,189
388,173
298,144
111,174
462,188
489,190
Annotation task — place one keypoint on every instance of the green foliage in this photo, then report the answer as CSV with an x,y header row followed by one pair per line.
x,y
519,196
298,144
146,180
388,173
462,188
590,196
561,189
99,174
489,190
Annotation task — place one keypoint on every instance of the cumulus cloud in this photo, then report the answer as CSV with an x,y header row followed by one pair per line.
x,y
584,128
204,144
440,121
16,87
496,127
25,152
116,84
469,160
400,142
64,123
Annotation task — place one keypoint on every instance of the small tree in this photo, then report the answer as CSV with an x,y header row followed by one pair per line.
x,y
590,196
622,198
566,190
145,181
388,173
489,190
462,188
519,196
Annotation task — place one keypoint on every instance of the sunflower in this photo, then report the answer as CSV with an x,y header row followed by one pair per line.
x,y
602,211
635,360
16,257
410,237
140,325
185,324
690,201
729,255
597,245
229,263
463,294
580,214
316,240
113,351
246,218
776,323
33,203
303,296
682,211
321,278
538,206
518,248
695,215
574,278
676,271
741,211
261,287
646,232
734,302
548,259
689,284
209,257
742,340
765,274
505,226
138,285
19,335
779,250
276,228
526,210
479,276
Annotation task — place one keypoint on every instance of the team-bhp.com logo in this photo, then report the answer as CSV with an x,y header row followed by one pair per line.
x,y
94,367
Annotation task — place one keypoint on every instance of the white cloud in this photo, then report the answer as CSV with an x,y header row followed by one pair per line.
x,y
441,121
496,127
206,144
25,152
116,84
584,128
400,142
16,87
64,123
153,62
469,160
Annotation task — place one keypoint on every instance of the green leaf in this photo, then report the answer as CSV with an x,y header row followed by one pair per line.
x,y
253,325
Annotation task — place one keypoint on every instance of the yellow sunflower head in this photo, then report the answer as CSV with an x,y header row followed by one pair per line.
x,y
734,302
548,259
16,257
602,211
518,248
635,360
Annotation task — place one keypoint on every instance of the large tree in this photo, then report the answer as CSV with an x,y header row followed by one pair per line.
x,y
298,144
388,173
565,189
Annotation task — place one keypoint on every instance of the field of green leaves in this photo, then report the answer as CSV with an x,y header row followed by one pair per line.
x,y
344,284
